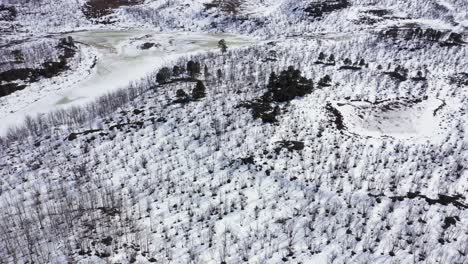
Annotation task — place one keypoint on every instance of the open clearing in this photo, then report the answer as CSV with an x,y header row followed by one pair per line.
x,y
402,118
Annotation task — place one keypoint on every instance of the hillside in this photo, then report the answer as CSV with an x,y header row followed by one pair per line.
x,y
328,132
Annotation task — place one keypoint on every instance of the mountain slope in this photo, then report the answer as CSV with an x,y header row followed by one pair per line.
x,y
341,138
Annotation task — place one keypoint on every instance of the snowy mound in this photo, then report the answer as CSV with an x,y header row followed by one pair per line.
x,y
401,118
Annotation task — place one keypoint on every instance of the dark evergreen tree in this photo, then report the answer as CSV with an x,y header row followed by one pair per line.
x,y
206,72
197,68
193,68
199,90
176,71
272,80
362,63
181,93
419,74
219,73
222,46
321,56
325,80
163,76
182,96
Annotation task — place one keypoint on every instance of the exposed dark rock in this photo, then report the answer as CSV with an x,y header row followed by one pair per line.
x,y
439,108
136,125
49,69
94,9
107,241
350,67
147,45
399,73
459,79
74,136
336,116
138,111
414,32
318,8
161,120
442,200
184,79
248,160
262,110
290,146
378,12
211,5
449,221
9,88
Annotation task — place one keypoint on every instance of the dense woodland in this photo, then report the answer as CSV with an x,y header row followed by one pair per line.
x,y
249,155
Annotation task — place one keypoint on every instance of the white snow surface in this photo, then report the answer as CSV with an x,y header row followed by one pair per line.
x,y
395,118
118,61
154,180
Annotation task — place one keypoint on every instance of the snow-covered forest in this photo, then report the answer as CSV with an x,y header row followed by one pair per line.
x,y
314,132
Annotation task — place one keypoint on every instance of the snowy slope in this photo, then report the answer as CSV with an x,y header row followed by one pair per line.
x,y
368,166
265,17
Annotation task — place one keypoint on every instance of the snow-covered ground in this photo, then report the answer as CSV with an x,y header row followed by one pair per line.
x,y
369,166
108,61
403,119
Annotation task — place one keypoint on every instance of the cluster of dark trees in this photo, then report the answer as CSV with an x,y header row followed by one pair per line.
x,y
356,65
7,13
378,12
198,92
281,88
324,59
193,69
429,34
163,75
347,63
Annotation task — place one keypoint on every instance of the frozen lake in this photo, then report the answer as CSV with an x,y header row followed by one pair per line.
x,y
119,59
122,61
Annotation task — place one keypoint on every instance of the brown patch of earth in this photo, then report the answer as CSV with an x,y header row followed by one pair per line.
x,y
95,9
